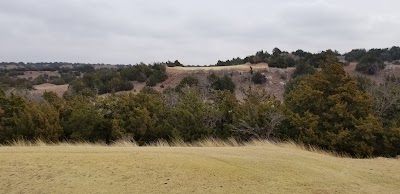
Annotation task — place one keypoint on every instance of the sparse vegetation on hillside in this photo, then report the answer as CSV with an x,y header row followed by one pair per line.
x,y
326,108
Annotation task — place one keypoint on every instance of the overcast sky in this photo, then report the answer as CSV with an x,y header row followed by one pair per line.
x,y
197,32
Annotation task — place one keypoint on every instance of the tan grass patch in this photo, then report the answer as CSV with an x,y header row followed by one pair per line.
x,y
216,167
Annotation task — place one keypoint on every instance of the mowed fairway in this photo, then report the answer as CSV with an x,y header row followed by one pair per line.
x,y
260,168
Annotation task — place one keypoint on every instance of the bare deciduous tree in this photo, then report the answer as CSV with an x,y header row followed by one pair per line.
x,y
386,94
261,132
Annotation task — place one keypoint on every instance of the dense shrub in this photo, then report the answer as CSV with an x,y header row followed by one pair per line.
x,y
30,121
190,117
281,61
226,106
151,74
370,64
176,63
259,57
316,60
293,83
221,83
100,82
41,79
258,78
355,55
301,53
303,69
156,77
384,54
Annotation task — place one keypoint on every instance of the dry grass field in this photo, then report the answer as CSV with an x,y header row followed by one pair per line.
x,y
58,89
259,167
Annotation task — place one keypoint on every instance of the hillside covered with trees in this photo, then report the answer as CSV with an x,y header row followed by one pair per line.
x,y
325,108
93,79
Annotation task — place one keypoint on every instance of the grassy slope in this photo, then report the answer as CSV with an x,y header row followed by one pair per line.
x,y
262,168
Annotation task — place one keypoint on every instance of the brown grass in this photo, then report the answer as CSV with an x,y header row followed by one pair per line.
x,y
210,166
58,89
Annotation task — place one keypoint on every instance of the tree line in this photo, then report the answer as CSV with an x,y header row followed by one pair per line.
x,y
326,108
384,54
368,61
281,59
372,61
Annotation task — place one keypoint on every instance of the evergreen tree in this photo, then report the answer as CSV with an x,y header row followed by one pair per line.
x,y
227,105
303,69
258,78
190,116
37,122
370,64
188,81
327,110
221,83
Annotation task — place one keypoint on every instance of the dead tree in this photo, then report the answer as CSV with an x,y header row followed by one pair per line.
x,y
386,95
260,132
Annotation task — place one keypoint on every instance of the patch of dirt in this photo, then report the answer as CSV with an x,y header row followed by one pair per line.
x,y
58,89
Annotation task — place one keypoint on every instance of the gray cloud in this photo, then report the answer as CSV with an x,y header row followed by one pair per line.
x,y
195,32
